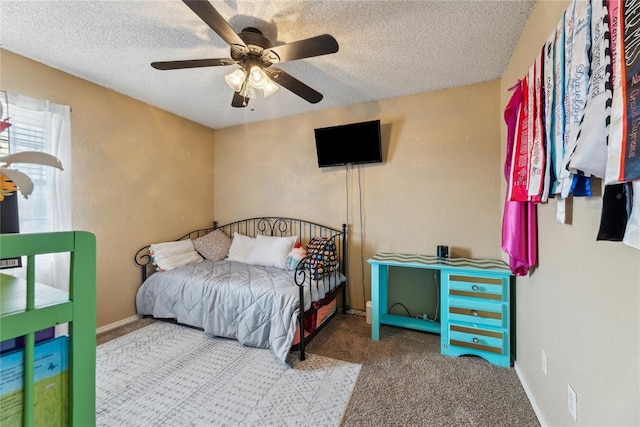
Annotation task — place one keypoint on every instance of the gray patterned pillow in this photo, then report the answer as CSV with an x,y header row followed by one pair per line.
x,y
213,246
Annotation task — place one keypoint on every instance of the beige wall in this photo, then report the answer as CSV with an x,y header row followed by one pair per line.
x,y
582,305
140,174
438,184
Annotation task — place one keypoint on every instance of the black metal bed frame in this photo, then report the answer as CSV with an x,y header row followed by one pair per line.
x,y
280,227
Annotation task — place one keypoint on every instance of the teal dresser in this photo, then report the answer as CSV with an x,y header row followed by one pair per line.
x,y
474,306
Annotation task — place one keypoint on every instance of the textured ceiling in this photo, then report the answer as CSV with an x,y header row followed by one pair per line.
x,y
387,48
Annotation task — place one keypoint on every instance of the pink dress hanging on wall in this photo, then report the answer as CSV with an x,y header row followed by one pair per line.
x,y
519,222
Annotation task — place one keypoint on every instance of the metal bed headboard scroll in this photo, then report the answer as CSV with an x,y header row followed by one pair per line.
x,y
268,226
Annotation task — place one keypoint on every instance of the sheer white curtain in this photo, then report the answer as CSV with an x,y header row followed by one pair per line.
x,y
39,125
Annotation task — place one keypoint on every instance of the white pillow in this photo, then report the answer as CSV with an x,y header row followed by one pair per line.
x,y
271,251
170,255
168,248
241,247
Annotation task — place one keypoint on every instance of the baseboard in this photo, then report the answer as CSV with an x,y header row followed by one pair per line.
x,y
117,324
529,393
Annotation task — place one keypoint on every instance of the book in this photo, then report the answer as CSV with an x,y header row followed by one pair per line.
x,y
18,342
51,385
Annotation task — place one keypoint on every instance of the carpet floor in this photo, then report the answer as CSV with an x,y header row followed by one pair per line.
x,y
405,381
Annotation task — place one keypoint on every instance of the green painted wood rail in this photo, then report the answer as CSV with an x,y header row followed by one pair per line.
x,y
27,307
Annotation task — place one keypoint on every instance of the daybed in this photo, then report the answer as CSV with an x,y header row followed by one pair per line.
x,y
247,282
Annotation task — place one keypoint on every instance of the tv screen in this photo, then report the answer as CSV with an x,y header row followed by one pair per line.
x,y
349,144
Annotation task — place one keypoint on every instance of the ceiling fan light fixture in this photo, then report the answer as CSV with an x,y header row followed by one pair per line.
x,y
247,90
235,79
269,88
257,77
254,53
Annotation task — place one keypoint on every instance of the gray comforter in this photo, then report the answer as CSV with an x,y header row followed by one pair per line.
x,y
256,305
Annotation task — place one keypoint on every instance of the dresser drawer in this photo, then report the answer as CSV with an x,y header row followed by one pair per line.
x,y
481,339
469,285
477,312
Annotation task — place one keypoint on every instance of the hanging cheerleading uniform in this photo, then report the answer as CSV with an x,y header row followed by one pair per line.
x,y
519,224
576,114
630,78
548,82
616,196
589,156
621,135
557,144
614,150
629,38
537,153
577,45
519,175
511,118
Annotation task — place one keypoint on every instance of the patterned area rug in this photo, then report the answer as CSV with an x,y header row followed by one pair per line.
x,y
171,375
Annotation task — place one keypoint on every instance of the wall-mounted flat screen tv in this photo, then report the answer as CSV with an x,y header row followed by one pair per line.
x,y
354,143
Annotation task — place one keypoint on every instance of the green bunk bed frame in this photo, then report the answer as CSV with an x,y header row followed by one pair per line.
x,y
27,307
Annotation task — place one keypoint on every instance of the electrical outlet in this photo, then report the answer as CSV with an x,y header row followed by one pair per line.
x,y
544,362
572,400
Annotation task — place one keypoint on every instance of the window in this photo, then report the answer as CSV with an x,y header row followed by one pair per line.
x,y
27,133
38,125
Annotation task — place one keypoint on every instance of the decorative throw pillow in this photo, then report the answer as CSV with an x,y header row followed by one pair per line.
x,y
271,251
295,256
241,247
214,246
169,255
323,258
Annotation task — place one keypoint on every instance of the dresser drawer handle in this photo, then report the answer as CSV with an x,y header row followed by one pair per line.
x,y
476,340
474,313
475,287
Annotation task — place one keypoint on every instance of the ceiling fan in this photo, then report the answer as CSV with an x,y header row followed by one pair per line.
x,y
256,55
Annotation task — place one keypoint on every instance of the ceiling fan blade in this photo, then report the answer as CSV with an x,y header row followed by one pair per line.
x,y
239,101
213,19
307,48
192,63
294,85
